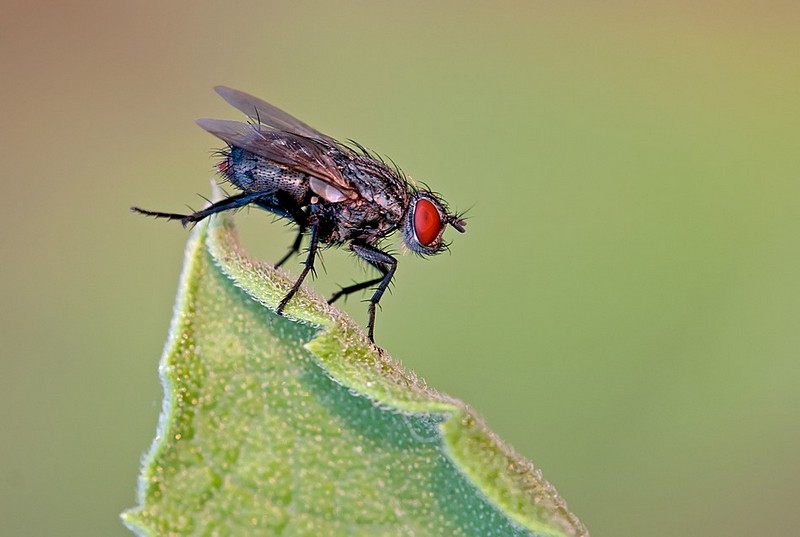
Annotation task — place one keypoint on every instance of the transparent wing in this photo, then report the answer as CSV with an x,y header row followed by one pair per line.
x,y
289,149
269,115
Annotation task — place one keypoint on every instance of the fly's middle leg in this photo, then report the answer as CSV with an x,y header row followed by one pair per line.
x,y
309,264
286,206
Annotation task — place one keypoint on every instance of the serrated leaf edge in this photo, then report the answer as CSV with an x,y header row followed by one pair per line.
x,y
508,480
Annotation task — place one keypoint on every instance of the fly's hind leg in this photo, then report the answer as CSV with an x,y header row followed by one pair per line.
x,y
232,202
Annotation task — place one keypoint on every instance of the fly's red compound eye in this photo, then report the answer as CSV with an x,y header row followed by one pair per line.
x,y
427,222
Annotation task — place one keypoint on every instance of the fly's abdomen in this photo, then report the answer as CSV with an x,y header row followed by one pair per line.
x,y
252,173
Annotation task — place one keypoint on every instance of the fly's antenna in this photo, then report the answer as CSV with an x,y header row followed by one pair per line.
x,y
459,220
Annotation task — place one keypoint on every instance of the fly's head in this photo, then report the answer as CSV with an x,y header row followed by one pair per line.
x,y
425,221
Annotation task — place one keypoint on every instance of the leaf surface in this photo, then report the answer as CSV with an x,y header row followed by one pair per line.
x,y
296,425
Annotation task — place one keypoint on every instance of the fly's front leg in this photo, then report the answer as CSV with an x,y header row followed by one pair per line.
x,y
309,264
350,289
382,261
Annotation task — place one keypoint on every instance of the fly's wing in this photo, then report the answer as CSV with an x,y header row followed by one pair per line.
x,y
266,114
289,149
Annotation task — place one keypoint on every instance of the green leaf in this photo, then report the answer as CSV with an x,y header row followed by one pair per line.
x,y
296,425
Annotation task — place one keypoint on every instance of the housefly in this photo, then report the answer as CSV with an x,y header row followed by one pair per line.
x,y
335,193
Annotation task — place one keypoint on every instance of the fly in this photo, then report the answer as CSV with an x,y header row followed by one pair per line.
x,y
336,194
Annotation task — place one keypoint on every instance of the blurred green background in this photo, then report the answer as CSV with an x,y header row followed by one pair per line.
x,y
623,309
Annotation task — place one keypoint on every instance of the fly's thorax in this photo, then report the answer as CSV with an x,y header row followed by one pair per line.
x,y
380,186
252,173
353,220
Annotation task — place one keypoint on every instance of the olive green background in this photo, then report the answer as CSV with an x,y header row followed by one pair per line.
x,y
623,308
